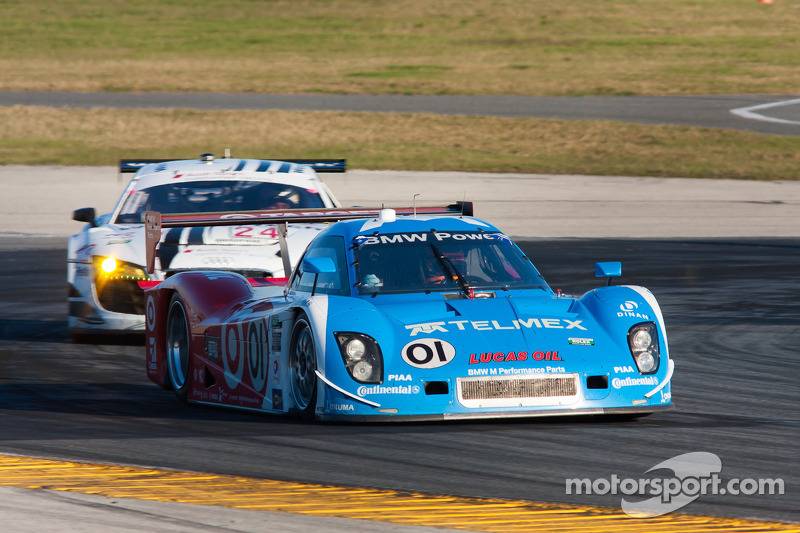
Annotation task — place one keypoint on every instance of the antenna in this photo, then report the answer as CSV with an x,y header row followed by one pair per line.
x,y
415,205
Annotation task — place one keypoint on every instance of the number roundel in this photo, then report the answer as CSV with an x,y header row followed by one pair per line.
x,y
232,354
257,356
428,353
150,313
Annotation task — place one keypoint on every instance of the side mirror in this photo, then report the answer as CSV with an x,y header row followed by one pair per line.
x,y
319,265
608,270
85,214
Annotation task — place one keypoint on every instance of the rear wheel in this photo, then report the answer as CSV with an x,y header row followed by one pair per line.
x,y
303,366
178,347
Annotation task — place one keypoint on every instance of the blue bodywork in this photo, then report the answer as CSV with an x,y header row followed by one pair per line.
x,y
466,347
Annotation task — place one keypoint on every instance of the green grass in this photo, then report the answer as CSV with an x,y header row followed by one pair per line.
x,y
526,47
39,136
402,46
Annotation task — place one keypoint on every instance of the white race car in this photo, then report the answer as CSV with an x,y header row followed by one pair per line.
x,y
104,261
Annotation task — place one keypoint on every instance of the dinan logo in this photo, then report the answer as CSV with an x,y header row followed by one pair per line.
x,y
630,308
428,353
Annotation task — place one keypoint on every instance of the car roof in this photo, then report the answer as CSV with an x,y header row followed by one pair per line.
x,y
264,170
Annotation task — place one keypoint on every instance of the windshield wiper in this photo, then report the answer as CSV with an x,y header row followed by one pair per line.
x,y
451,271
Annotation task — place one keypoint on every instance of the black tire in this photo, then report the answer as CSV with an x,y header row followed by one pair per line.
x,y
303,367
624,417
78,338
178,350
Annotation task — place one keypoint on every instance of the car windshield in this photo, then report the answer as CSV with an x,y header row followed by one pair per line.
x,y
215,196
442,261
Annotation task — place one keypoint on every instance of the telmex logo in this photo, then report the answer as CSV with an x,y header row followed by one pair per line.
x,y
486,325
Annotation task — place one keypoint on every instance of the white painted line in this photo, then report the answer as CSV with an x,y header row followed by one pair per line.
x,y
748,112
670,370
351,395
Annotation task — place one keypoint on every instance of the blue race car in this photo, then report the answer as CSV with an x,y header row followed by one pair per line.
x,y
406,314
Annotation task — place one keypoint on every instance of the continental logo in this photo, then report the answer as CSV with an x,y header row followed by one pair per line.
x,y
618,383
380,389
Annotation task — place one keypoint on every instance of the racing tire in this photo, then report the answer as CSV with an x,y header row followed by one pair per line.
x,y
79,338
178,349
624,417
303,367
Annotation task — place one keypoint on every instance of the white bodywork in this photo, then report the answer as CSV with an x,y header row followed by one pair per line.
x,y
252,250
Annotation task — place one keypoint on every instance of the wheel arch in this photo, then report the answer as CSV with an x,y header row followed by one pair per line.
x,y
156,308
203,293
315,309
618,307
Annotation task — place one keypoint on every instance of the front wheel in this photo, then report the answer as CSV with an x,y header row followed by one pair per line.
x,y
178,347
303,366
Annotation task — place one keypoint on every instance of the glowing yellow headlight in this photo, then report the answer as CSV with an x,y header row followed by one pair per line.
x,y
108,265
109,268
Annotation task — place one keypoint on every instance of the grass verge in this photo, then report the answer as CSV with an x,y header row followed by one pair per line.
x,y
530,47
46,136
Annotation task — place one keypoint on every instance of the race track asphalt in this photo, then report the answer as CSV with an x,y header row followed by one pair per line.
x,y
733,333
729,300
769,114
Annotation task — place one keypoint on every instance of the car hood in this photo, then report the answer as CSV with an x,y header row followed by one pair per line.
x,y
519,319
522,330
251,248
245,248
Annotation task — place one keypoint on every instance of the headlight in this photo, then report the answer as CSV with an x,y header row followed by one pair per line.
x,y
108,268
362,371
646,362
641,340
108,265
361,355
355,348
643,343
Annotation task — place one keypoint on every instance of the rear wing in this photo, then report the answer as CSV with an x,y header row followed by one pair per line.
x,y
129,166
155,221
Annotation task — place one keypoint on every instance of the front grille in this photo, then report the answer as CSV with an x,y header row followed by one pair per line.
x,y
121,296
509,391
518,388
245,273
253,273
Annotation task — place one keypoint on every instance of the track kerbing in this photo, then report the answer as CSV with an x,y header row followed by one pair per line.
x,y
397,507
